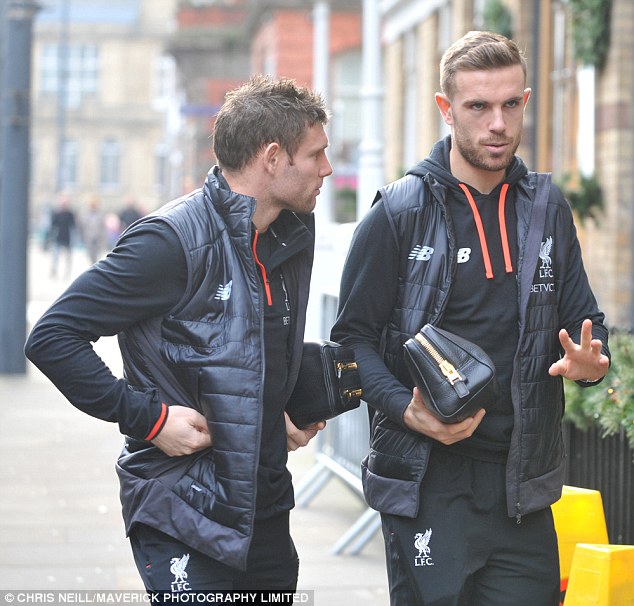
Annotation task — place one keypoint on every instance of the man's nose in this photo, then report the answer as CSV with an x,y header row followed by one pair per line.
x,y
497,123
327,168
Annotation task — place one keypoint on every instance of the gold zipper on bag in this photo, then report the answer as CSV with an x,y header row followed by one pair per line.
x,y
341,366
446,367
353,393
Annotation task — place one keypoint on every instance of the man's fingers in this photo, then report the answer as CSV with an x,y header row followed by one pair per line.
x,y
297,438
419,419
185,432
565,340
470,424
586,334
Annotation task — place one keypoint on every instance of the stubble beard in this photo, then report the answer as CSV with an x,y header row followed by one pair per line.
x,y
479,158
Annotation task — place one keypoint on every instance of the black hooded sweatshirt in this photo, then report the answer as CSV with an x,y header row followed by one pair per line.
x,y
482,306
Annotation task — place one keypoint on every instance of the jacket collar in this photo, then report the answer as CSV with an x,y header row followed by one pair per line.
x,y
294,231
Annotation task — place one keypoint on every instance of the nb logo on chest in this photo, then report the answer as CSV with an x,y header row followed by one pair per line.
x,y
424,253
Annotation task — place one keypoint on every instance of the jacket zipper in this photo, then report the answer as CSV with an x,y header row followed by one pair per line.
x,y
262,375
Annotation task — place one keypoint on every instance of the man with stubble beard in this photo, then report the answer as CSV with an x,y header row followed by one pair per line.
x,y
458,243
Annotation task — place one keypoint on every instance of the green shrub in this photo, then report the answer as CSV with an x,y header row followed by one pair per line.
x,y
609,405
498,18
584,195
591,31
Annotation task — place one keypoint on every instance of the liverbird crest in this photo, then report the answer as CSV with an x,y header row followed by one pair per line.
x,y
421,542
178,566
544,251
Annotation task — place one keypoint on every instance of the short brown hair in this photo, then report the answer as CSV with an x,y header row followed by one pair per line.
x,y
477,51
264,110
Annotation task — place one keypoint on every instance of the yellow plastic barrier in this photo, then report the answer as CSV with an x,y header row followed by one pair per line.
x,y
579,518
601,575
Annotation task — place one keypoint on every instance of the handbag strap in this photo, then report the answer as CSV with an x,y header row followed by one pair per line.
x,y
534,237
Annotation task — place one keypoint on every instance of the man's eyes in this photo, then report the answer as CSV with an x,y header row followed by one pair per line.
x,y
480,105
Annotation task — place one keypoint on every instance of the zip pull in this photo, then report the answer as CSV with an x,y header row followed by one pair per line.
x,y
352,393
343,366
449,370
446,367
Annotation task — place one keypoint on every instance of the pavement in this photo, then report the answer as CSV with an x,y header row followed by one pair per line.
x,y
60,517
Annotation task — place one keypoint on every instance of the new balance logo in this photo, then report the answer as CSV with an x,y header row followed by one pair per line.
x,y
224,291
421,253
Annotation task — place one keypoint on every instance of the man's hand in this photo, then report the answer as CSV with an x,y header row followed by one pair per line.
x,y
583,362
185,432
296,438
419,419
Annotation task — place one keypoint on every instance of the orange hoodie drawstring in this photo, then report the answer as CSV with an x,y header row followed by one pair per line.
x,y
265,278
503,233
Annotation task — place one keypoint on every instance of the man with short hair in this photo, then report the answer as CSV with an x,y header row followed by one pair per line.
x,y
458,243
208,298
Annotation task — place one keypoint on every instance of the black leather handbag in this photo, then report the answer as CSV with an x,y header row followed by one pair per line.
x,y
328,383
455,377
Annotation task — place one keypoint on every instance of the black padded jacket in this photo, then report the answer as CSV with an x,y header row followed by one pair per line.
x,y
211,347
552,293
204,350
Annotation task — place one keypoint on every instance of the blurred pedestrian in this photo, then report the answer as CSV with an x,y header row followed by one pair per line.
x,y
129,214
93,230
61,233
113,228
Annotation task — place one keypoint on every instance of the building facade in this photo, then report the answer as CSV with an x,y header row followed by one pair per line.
x,y
579,122
105,119
218,44
109,120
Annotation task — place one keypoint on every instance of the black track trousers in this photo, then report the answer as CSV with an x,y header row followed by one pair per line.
x,y
463,549
167,565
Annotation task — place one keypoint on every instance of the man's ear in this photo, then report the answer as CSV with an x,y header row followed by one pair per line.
x,y
271,156
444,105
527,96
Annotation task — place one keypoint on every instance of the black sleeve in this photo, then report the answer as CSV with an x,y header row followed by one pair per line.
x,y
367,297
143,277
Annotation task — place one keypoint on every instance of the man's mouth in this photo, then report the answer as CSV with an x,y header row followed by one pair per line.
x,y
496,144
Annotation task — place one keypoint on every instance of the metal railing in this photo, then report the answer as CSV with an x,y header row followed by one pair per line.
x,y
596,462
340,449
605,464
